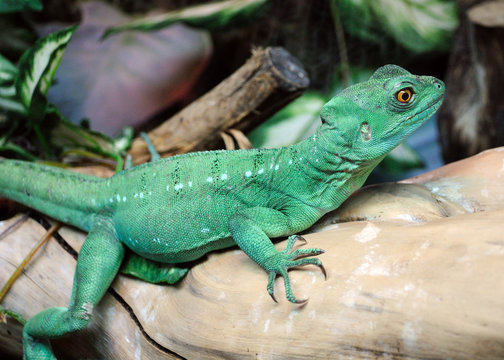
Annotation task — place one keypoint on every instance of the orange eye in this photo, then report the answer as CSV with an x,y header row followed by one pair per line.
x,y
404,95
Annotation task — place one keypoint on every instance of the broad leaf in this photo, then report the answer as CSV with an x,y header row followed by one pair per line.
x,y
13,314
38,65
9,6
10,104
8,97
76,139
293,123
418,25
212,16
402,158
7,71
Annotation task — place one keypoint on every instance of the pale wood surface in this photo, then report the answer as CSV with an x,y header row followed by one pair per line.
x,y
398,285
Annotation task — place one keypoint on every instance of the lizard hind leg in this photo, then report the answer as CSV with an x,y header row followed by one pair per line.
x,y
98,263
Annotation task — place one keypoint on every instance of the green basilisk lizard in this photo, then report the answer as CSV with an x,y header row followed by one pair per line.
x,y
177,209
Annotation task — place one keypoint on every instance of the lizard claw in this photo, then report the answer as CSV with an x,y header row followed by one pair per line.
x,y
282,261
301,302
271,286
322,268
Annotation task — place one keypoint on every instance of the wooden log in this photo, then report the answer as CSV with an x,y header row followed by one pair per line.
x,y
403,282
472,116
269,80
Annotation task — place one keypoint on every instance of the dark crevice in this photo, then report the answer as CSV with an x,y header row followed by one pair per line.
x,y
69,249
379,354
59,239
128,308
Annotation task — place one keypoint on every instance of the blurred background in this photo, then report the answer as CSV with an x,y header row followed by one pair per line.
x,y
135,63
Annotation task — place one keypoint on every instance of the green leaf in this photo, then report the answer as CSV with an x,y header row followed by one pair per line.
x,y
16,316
213,16
9,6
293,123
7,70
38,65
67,135
402,158
419,26
12,105
21,153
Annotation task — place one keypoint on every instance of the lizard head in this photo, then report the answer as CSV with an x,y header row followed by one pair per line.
x,y
371,118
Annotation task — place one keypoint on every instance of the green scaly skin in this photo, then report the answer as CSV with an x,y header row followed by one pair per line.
x,y
177,209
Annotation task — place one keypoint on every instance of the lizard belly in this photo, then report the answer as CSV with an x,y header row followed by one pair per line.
x,y
171,235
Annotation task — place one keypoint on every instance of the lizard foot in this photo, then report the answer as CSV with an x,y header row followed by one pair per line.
x,y
280,263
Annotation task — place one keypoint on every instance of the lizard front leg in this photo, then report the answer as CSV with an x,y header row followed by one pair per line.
x,y
98,263
252,228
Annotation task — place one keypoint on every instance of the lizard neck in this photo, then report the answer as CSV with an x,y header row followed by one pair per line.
x,y
330,169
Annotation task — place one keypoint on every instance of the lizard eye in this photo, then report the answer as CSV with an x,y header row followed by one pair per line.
x,y
404,95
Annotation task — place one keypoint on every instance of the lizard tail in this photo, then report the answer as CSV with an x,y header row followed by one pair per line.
x,y
61,194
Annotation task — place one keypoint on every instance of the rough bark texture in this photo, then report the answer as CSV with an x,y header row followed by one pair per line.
x,y
418,276
269,80
472,116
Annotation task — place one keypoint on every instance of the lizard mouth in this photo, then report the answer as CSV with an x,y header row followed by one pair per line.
x,y
425,113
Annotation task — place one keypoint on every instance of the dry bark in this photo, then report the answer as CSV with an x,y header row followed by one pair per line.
x,y
472,116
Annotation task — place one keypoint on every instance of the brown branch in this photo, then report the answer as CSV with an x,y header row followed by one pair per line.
x,y
269,80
